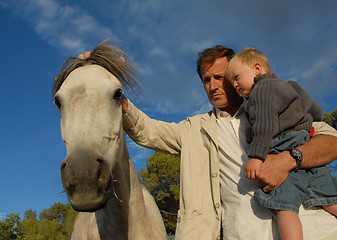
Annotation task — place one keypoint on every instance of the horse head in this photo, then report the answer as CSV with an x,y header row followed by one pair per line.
x,y
88,94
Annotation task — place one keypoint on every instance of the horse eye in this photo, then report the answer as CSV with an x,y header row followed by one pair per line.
x,y
118,94
57,102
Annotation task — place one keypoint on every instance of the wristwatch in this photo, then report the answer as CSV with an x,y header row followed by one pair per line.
x,y
298,156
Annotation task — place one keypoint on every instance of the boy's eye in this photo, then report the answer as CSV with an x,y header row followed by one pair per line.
x,y
236,77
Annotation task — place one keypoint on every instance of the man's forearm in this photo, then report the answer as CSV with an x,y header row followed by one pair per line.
x,y
320,150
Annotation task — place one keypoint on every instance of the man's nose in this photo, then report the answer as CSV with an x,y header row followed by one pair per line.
x,y
213,84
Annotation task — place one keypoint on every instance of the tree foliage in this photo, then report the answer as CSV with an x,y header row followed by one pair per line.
x,y
161,178
55,223
30,214
331,118
10,228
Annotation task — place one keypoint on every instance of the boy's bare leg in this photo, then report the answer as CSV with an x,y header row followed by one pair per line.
x,y
289,225
331,209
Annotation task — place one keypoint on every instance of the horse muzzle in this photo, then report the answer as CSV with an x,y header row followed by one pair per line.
x,y
86,179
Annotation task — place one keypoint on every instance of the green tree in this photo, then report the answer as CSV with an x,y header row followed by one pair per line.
x,y
10,228
52,230
331,118
57,211
161,178
30,214
56,223
68,224
30,229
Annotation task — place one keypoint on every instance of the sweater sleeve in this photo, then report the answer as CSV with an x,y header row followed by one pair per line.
x,y
262,109
314,108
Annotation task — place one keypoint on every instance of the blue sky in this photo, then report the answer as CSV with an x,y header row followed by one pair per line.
x,y
163,39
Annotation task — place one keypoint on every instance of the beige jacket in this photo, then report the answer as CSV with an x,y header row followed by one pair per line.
x,y
195,139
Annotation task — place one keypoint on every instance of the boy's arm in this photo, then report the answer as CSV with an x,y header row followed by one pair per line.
x,y
318,151
253,167
263,110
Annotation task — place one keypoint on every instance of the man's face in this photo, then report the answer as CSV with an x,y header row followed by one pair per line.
x,y
220,92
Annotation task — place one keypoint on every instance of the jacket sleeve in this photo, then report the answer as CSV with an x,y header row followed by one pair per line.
x,y
324,128
156,135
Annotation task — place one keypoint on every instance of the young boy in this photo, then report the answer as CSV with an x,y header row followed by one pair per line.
x,y
280,116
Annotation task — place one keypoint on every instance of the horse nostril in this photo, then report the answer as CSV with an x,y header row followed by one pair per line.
x,y
63,165
99,170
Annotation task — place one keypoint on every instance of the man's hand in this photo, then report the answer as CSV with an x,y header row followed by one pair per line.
x,y
274,171
319,151
85,55
125,105
252,168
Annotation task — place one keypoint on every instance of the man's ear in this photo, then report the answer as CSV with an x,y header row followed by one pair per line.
x,y
258,69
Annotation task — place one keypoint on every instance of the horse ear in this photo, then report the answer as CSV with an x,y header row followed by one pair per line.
x,y
122,61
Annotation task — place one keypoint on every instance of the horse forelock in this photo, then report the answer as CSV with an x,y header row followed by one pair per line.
x,y
113,59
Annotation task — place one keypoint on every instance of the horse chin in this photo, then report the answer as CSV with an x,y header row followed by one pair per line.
x,y
90,205
90,199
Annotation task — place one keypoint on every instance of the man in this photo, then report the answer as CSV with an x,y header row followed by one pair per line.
x,y
215,197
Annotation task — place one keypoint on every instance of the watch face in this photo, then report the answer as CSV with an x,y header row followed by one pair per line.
x,y
295,153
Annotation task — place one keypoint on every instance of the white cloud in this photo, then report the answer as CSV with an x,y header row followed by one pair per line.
x,y
63,26
164,42
158,51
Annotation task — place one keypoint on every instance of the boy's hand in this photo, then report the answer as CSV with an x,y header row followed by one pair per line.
x,y
252,168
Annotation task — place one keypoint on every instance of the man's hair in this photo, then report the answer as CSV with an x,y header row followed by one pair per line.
x,y
209,55
250,56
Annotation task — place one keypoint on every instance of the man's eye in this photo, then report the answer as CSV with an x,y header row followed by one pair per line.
x,y
206,80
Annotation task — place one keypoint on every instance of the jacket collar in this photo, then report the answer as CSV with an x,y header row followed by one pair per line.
x,y
208,123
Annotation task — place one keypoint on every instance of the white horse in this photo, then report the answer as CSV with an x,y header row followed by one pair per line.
x,y
97,174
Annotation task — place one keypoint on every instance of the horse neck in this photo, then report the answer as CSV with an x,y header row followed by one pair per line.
x,y
126,183
126,202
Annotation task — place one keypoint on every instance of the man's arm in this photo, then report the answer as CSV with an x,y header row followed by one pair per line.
x,y
319,150
150,133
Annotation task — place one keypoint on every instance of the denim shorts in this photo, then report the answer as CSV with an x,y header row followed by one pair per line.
x,y
310,187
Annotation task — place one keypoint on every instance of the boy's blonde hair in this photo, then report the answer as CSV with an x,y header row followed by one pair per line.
x,y
250,56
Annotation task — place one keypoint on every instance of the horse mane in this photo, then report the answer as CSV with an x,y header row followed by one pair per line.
x,y
109,57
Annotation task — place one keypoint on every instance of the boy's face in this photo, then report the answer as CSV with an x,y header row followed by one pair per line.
x,y
241,77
